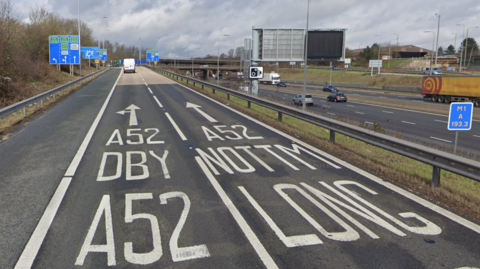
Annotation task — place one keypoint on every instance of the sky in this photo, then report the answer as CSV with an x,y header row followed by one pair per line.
x,y
191,28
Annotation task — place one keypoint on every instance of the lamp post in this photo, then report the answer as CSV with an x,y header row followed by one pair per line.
x,y
192,64
396,48
461,52
455,42
140,51
79,44
379,51
433,46
438,34
218,58
304,105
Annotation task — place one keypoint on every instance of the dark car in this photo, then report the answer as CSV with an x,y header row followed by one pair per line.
x,y
334,67
337,97
330,88
281,84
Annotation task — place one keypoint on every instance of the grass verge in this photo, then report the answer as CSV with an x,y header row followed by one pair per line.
x,y
457,193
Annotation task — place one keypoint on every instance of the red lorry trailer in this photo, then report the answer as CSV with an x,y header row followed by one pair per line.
x,y
452,89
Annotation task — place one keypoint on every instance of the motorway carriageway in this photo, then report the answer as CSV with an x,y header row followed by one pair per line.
x,y
422,128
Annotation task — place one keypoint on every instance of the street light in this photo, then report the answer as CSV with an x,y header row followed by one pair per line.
x,y
396,49
461,53
433,46
438,35
455,43
466,48
218,58
140,51
79,44
304,105
379,49
192,63
472,49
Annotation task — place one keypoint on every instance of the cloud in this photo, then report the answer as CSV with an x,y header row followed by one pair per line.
x,y
179,27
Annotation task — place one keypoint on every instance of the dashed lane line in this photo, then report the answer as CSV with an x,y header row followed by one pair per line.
x,y
436,138
407,122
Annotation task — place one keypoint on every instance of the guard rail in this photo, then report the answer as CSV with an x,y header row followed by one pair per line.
x,y
436,158
23,104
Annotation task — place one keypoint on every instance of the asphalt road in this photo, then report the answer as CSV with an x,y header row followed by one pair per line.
x,y
423,128
149,174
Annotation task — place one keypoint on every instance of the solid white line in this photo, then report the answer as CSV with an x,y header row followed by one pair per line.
x,y
150,90
436,138
81,151
409,122
176,127
36,240
359,112
442,121
389,112
246,229
427,204
158,102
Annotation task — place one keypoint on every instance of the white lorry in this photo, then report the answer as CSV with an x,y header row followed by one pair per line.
x,y
270,78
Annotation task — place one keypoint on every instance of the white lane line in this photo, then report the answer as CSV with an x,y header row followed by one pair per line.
x,y
158,102
150,90
146,84
350,106
389,112
436,138
180,133
330,114
442,121
407,122
323,101
425,203
477,136
246,229
325,106
36,240
360,113
367,122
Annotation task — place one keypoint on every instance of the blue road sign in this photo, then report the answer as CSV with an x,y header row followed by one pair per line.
x,y
91,53
460,117
150,56
156,57
103,55
64,49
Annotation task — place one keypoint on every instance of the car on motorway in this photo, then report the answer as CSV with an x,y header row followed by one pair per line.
x,y
330,88
281,84
435,71
129,65
337,97
298,100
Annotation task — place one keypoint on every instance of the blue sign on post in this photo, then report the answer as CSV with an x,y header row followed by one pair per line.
x,y
103,55
156,57
460,117
64,49
91,53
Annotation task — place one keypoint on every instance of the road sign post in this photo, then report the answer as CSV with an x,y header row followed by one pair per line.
x,y
460,119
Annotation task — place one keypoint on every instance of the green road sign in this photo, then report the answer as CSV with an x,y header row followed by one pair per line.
x,y
64,40
73,39
54,39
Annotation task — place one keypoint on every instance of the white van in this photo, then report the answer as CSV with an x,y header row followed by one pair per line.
x,y
129,65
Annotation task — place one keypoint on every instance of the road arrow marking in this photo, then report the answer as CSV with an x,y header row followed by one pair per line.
x,y
133,115
197,108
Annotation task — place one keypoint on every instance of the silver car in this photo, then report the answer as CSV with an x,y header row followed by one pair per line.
x,y
299,100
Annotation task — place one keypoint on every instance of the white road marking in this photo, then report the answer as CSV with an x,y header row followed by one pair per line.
x,y
389,112
350,106
436,138
360,113
205,115
36,240
150,90
180,133
442,121
158,102
427,204
325,106
367,122
330,113
246,229
323,101
407,122
146,84
477,136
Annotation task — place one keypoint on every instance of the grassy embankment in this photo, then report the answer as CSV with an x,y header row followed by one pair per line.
x,y
458,193
37,87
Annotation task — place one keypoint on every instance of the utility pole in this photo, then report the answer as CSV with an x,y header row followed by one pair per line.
x,y
438,34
